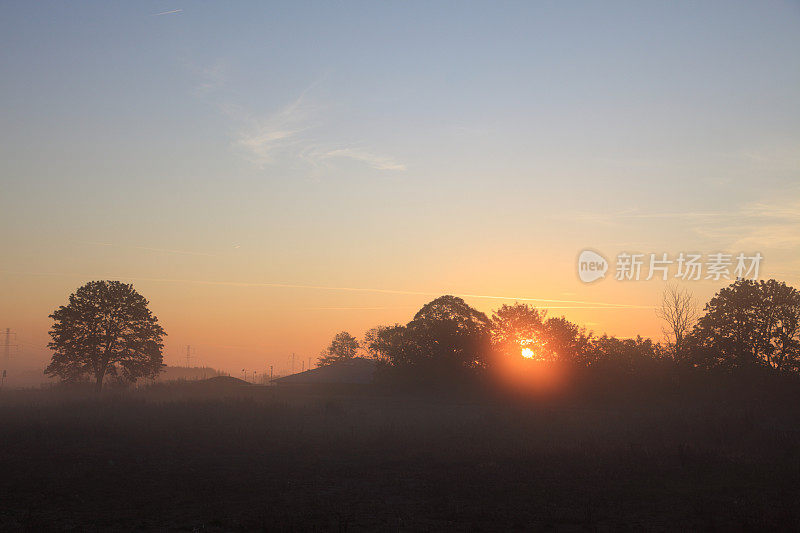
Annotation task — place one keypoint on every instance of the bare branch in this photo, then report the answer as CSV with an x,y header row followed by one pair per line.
x,y
678,310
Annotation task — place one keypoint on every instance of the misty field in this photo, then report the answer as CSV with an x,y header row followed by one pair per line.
x,y
662,456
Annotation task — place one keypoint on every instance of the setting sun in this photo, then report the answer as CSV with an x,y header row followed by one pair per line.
x,y
527,353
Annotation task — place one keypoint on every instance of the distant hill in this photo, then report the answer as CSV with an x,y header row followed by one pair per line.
x,y
356,371
194,386
183,373
34,377
226,381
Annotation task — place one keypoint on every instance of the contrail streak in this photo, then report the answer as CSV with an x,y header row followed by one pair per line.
x,y
179,252
168,12
594,305
149,249
346,308
392,291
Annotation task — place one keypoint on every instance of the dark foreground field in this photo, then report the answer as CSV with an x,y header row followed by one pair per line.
x,y
183,458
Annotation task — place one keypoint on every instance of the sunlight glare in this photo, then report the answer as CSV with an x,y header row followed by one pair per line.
x,y
527,353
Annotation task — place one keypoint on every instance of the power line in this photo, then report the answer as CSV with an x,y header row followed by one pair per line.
x,y
7,346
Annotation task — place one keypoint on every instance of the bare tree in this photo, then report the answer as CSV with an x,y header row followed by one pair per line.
x,y
678,310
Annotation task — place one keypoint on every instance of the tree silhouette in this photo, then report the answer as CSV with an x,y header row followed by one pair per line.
x,y
626,355
781,325
451,335
106,330
391,345
678,310
372,345
343,347
518,326
566,342
445,338
750,323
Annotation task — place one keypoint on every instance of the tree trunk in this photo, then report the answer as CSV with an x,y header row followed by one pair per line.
x,y
99,384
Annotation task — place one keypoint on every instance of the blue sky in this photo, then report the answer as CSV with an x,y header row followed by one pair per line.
x,y
431,146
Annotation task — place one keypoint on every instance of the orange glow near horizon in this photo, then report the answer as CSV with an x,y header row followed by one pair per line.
x,y
529,374
230,327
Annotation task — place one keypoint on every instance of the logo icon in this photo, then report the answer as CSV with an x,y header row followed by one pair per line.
x,y
591,266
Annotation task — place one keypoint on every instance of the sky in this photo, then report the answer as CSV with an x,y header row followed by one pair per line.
x,y
269,174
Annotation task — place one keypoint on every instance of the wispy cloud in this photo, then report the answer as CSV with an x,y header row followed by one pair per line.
x,y
755,237
776,157
770,222
264,141
787,210
638,214
769,236
759,225
375,161
292,134
212,78
768,225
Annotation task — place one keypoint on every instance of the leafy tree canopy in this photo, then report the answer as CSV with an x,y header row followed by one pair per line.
x,y
445,337
750,323
105,331
516,326
343,347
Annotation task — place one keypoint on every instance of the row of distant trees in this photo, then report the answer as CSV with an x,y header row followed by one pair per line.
x,y
748,324
106,332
